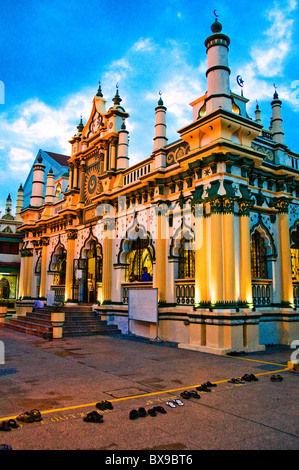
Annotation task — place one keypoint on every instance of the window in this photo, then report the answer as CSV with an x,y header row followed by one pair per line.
x,y
9,248
259,265
186,259
138,258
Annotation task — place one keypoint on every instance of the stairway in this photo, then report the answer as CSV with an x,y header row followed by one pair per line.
x,y
79,321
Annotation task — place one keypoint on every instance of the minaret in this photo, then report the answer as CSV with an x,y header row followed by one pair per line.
x,y
257,114
123,146
19,205
160,139
8,205
278,135
218,72
50,188
37,195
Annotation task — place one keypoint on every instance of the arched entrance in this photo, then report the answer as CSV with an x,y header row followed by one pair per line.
x,y
94,265
88,272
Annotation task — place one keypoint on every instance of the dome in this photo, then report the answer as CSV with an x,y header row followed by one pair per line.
x,y
216,26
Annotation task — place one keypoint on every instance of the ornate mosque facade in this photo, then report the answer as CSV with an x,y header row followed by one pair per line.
x,y
213,216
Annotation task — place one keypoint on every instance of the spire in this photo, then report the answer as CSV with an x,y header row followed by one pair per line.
x,y
8,204
123,147
160,139
80,127
117,99
19,205
258,113
50,188
37,195
99,92
218,72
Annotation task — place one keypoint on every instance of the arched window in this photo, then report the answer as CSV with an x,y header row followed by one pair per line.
x,y
186,259
295,254
4,288
58,192
138,258
58,265
259,264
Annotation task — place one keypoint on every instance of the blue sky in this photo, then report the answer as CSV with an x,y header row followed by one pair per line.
x,y
54,52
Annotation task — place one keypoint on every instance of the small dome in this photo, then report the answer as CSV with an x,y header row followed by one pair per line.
x,y
216,26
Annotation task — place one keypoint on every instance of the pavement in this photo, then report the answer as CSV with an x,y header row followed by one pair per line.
x,y
65,378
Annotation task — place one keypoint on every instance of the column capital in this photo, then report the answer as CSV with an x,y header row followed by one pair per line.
x,y
72,234
282,204
245,205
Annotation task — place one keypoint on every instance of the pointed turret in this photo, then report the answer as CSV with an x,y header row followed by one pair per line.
x,y
80,126
278,135
123,147
19,205
37,195
8,215
257,114
50,188
160,139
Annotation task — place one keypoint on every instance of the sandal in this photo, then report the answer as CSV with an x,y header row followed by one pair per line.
x,y
236,381
185,395
209,384
276,378
12,423
104,405
178,402
203,388
93,417
108,405
142,412
36,415
194,394
247,378
133,414
5,447
4,426
160,409
171,404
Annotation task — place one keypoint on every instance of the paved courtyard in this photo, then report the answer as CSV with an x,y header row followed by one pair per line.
x,y
64,379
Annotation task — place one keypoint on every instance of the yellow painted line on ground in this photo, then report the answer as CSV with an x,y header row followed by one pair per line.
x,y
253,360
160,392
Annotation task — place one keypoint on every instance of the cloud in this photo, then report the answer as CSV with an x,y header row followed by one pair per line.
x,y
270,54
144,45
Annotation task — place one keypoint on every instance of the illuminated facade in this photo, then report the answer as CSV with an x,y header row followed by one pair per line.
x,y
10,244
213,217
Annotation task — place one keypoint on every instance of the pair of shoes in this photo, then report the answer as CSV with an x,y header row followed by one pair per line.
x,y
185,395
276,378
140,413
249,378
203,388
7,425
5,447
104,405
30,416
236,381
175,402
93,417
209,384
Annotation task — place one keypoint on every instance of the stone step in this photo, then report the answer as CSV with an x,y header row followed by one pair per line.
x,y
79,321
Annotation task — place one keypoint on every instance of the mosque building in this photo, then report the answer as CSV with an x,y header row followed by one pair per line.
x,y
210,222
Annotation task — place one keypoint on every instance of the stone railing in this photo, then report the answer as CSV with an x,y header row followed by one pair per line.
x,y
59,292
184,291
262,292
